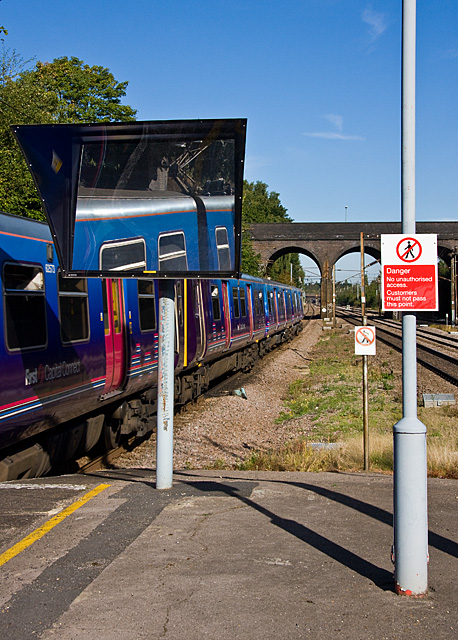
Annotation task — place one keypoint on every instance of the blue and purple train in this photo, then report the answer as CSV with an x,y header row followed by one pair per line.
x,y
78,357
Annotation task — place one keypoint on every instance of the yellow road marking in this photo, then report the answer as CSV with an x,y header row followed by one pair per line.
x,y
41,531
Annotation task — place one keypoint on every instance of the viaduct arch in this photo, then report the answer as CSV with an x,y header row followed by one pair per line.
x,y
327,242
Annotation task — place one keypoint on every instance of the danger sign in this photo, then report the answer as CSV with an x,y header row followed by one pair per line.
x,y
409,272
365,341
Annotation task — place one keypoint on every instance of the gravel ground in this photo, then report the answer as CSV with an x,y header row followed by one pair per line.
x,y
222,430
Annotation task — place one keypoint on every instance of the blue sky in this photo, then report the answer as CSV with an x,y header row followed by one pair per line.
x,y
318,80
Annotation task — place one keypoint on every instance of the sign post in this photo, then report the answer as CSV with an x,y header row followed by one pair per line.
x,y
365,346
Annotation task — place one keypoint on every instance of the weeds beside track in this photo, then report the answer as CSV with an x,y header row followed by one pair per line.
x,y
331,395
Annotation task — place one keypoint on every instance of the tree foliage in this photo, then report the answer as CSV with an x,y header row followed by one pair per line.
x,y
350,293
288,269
261,206
62,91
20,103
83,93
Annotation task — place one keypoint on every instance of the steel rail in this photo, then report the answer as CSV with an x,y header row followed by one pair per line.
x,y
442,364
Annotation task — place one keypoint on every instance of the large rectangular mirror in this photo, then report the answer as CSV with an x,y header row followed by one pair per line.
x,y
129,199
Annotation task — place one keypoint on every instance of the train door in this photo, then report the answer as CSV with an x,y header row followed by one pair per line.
x,y
276,309
227,315
250,308
115,335
180,325
200,316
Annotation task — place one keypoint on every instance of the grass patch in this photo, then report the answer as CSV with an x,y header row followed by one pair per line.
x,y
296,456
331,397
442,327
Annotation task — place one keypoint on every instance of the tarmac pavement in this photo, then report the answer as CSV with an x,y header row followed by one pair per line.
x,y
223,554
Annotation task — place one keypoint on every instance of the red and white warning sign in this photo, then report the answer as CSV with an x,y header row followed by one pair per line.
x,y
365,341
409,272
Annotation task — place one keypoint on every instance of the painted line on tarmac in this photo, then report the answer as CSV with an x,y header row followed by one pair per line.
x,y
70,487
44,529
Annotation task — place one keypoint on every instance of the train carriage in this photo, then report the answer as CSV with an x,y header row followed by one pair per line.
x,y
79,356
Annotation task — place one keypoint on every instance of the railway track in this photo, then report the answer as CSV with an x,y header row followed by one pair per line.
x,y
227,384
442,358
426,335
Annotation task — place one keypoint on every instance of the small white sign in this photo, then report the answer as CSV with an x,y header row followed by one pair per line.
x,y
365,341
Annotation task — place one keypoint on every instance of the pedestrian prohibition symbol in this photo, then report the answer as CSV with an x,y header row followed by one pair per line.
x,y
409,249
365,341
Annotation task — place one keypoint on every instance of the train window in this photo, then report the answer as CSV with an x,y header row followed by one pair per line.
x,y
146,305
73,309
216,303
235,297
123,256
222,247
116,308
269,301
242,303
25,306
261,304
106,319
256,303
172,252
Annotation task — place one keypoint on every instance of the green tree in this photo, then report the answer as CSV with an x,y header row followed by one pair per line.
x,y
347,293
63,91
285,266
261,206
84,93
20,103
251,263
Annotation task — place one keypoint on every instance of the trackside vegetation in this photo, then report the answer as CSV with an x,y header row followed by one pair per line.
x,y
330,394
63,91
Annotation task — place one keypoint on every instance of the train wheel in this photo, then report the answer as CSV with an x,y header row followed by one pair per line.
x,y
112,433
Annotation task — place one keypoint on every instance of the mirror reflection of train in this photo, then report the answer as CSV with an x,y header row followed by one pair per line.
x,y
79,356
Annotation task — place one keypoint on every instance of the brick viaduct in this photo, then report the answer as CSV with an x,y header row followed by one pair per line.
x,y
326,242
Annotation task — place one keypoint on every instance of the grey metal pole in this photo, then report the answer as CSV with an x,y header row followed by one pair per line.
x,y
363,283
410,549
165,385
454,281
453,288
365,414
334,295
365,376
